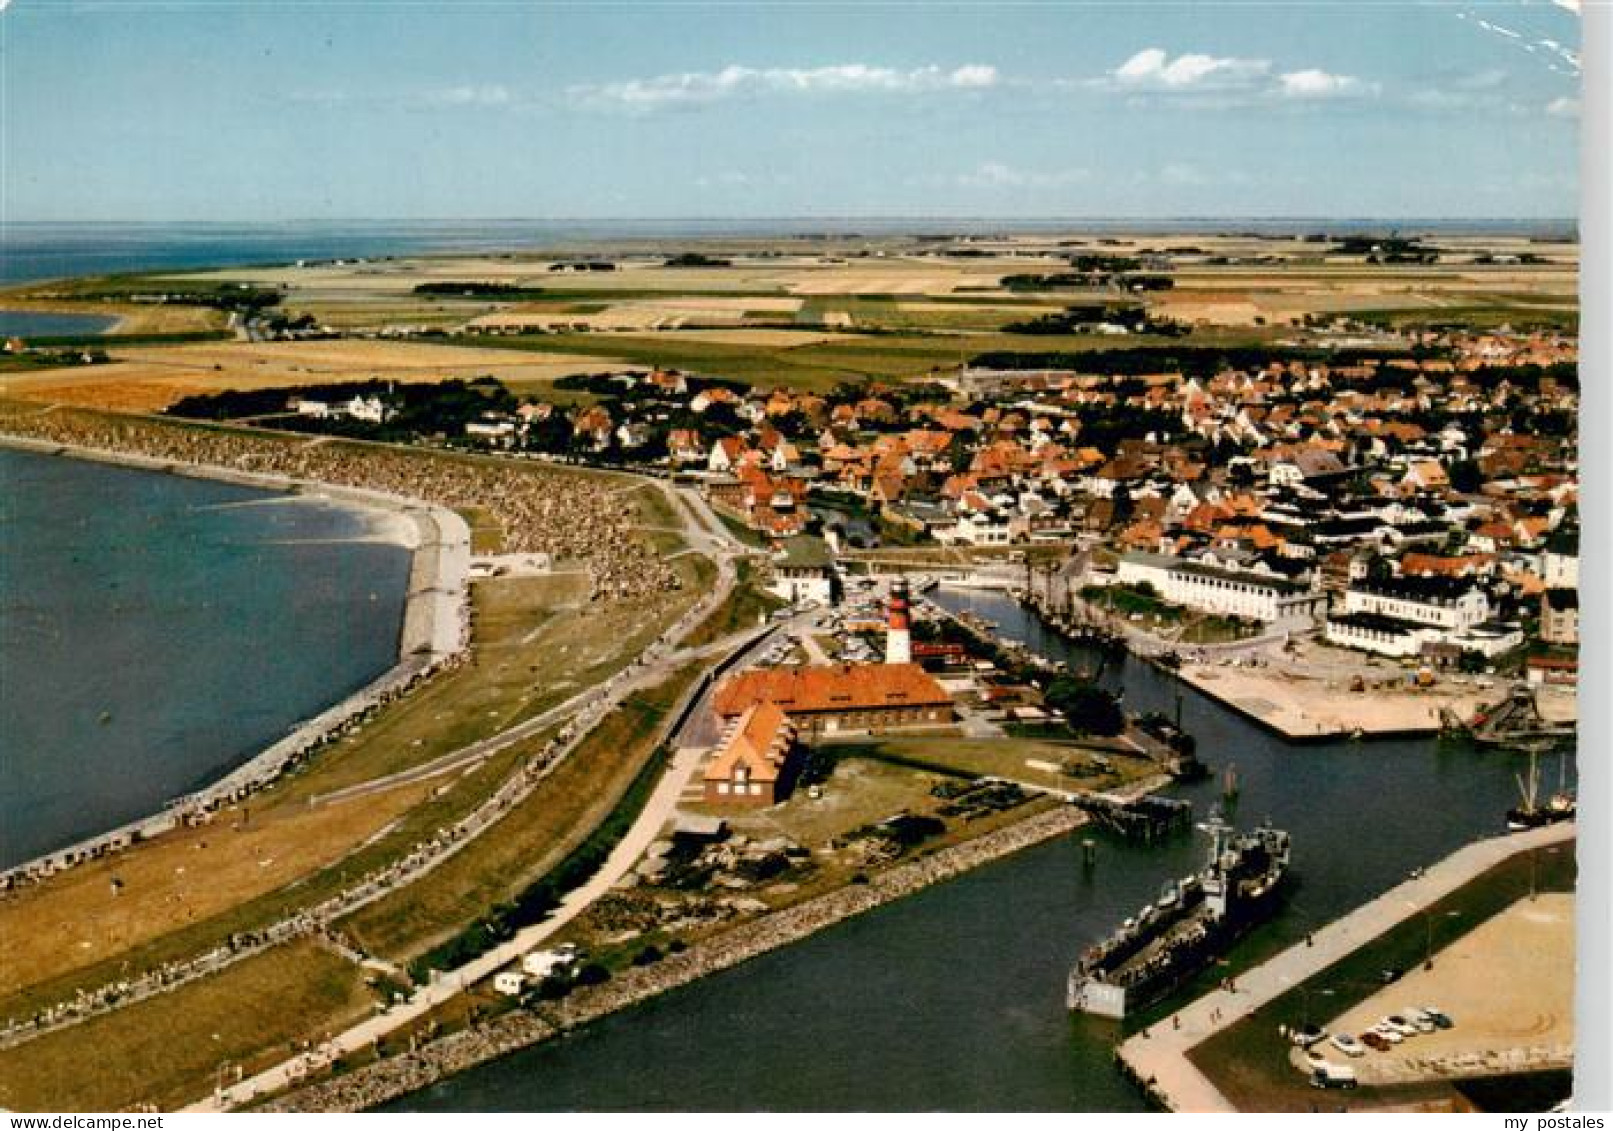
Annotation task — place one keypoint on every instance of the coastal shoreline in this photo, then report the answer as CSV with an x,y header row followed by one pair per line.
x,y
395,1076
433,630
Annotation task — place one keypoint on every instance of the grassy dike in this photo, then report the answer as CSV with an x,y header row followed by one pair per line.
x,y
491,888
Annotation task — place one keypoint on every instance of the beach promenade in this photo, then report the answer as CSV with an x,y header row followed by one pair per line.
x,y
1158,1058
435,628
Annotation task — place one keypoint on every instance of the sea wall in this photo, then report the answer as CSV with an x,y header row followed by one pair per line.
x,y
434,631
399,1075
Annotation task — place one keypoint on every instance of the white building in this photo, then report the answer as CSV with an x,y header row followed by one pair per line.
x,y
540,964
1384,636
367,409
803,574
1561,570
1449,603
1224,592
981,529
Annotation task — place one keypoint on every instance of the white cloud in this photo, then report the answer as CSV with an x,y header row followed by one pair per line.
x,y
997,175
1319,84
1153,69
1539,46
468,96
1195,79
1563,107
693,88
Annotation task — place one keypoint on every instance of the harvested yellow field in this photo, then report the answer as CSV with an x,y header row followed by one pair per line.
x,y
925,280
149,378
781,339
649,314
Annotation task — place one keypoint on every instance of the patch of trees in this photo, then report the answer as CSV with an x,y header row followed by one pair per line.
x,y
442,408
631,387
226,297
696,259
1091,319
1110,264
1193,361
479,290
1387,249
1086,707
1020,284
1145,282
1103,427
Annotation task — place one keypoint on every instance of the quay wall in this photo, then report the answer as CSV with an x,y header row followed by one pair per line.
x,y
396,1076
435,629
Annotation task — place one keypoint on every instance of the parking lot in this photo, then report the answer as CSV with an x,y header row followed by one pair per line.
x,y
1502,985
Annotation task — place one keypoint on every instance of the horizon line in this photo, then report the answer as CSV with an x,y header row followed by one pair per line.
x,y
820,218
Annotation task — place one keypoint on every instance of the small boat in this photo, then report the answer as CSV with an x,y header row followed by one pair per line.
x,y
1531,814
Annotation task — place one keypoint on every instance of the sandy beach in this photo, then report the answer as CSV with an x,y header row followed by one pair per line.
x,y
434,628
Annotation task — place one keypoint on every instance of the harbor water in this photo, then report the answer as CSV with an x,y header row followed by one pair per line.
x,y
954,998
156,631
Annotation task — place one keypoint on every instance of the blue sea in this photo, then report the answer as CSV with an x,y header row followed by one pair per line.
x,y
28,324
35,251
157,631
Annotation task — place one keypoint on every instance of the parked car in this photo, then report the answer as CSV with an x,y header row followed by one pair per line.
x,y
1389,1033
1374,1041
1419,1019
1307,1036
1333,1076
1348,1045
1407,1029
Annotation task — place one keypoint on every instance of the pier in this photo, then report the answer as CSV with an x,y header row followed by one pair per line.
x,y
1137,818
1157,1058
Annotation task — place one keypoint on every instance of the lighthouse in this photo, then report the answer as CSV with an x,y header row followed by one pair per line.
x,y
898,636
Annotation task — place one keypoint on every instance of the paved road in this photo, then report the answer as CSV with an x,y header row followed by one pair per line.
x,y
1159,1053
645,829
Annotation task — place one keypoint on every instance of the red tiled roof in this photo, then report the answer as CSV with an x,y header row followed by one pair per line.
x,y
759,742
845,687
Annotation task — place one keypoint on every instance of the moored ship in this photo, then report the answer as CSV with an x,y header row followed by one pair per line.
x,y
1194,920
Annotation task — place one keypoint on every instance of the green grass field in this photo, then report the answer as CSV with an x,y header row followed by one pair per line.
x,y
174,1048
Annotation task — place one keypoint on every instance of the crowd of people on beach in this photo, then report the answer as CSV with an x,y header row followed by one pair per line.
x,y
538,508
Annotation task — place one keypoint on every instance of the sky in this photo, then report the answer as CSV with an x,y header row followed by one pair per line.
x,y
378,109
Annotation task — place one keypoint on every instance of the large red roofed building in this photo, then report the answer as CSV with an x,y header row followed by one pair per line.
x,y
753,765
839,698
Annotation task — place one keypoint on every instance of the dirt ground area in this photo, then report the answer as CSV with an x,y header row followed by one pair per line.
x,y
1305,693
1509,988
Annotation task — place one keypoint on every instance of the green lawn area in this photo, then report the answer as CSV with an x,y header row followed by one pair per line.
x,y
1249,1062
1157,613
819,366
745,607
531,838
1008,758
654,508
740,531
169,1050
